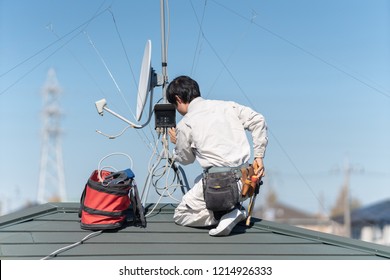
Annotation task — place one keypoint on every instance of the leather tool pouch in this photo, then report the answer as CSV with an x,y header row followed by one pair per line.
x,y
248,187
220,191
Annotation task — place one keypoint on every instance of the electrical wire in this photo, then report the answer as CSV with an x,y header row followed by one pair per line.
x,y
114,136
55,42
36,65
168,188
63,249
123,46
309,53
200,32
108,70
165,189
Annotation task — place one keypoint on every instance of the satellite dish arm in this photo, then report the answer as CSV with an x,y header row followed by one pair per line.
x,y
101,106
133,125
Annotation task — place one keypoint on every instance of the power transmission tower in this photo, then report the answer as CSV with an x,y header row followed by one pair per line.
x,y
51,174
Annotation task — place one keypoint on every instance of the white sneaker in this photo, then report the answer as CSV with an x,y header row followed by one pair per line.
x,y
228,222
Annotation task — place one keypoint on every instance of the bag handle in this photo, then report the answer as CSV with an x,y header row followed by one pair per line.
x,y
99,169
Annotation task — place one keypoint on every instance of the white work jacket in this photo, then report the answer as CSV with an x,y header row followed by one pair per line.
x,y
213,132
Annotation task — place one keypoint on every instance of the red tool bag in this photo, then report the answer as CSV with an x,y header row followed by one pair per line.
x,y
107,200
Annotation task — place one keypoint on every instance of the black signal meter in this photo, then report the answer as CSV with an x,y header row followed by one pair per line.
x,y
165,115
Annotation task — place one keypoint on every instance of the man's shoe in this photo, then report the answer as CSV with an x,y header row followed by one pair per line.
x,y
228,222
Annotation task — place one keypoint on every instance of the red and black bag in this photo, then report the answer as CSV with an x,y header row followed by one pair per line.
x,y
107,200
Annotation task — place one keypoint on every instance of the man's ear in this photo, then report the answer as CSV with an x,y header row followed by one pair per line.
x,y
178,100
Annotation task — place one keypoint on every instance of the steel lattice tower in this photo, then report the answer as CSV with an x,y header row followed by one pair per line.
x,y
51,185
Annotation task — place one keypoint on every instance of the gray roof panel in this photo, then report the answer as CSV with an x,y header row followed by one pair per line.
x,y
37,232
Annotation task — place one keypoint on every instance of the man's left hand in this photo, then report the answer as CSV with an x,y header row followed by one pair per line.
x,y
258,166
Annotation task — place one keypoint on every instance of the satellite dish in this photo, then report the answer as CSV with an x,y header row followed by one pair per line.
x,y
144,85
147,81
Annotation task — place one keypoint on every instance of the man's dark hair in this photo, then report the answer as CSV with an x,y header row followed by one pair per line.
x,y
184,87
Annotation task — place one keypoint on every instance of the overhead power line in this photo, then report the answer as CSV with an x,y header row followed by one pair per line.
x,y
307,52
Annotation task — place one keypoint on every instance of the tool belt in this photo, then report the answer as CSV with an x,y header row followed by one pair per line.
x,y
220,190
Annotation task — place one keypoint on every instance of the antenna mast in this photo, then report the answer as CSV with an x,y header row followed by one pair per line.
x,y
51,174
164,113
164,63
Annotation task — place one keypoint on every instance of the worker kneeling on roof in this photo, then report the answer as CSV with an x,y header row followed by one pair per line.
x,y
213,132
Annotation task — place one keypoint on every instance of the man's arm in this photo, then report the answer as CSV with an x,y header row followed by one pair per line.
x,y
256,124
183,152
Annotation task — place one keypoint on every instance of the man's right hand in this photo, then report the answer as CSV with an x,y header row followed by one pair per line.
x,y
172,134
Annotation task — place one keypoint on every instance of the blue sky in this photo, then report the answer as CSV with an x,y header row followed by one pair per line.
x,y
317,70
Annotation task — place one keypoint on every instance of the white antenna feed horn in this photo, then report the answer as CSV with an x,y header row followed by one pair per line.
x,y
100,106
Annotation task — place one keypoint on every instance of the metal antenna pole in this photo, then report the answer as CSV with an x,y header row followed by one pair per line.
x,y
164,63
145,192
165,155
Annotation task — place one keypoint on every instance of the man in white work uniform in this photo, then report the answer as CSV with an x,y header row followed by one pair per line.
x,y
213,132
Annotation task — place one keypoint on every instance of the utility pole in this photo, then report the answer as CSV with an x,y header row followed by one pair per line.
x,y
348,169
347,204
51,174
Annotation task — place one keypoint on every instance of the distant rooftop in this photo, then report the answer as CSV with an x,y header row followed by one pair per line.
x,y
36,232
377,213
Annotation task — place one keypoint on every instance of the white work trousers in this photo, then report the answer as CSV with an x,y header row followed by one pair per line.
x,y
192,210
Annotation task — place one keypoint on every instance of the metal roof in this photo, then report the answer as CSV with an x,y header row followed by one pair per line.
x,y
36,232
374,214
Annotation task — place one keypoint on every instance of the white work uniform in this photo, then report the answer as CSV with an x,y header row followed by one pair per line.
x,y
213,132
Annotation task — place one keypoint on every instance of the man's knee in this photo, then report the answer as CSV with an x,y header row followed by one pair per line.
x,y
178,216
189,217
